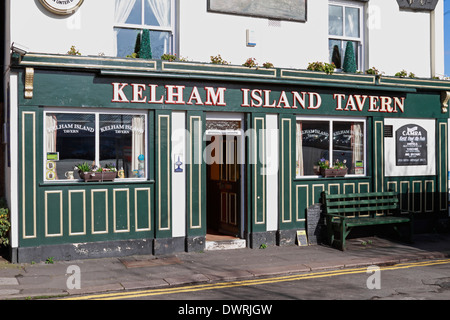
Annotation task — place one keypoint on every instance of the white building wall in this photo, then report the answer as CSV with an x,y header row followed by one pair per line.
x,y
285,44
395,39
400,40
90,29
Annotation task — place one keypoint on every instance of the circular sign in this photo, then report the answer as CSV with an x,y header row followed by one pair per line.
x,y
62,6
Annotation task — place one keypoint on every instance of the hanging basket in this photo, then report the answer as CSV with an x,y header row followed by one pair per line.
x,y
327,173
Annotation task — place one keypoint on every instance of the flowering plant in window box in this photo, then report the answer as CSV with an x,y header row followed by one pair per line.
x,y
94,173
339,169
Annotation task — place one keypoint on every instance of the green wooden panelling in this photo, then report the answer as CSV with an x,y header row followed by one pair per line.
x,y
288,215
163,176
28,158
378,155
99,211
121,209
77,212
308,192
442,164
258,192
195,175
143,209
53,214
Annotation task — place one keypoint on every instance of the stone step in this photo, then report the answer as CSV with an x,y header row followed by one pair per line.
x,y
225,244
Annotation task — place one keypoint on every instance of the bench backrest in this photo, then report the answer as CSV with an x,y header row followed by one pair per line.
x,y
352,205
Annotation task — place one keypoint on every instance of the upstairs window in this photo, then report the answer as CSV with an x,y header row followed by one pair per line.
x,y
134,16
345,24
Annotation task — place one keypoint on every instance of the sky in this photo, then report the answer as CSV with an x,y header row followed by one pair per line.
x,y
447,36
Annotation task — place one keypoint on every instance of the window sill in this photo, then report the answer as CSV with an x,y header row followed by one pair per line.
x,y
81,182
331,178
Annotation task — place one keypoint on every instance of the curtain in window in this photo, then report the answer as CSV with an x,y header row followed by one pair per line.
x,y
300,170
161,10
50,126
122,12
357,143
138,141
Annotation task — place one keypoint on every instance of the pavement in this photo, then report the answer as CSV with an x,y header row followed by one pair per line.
x,y
59,278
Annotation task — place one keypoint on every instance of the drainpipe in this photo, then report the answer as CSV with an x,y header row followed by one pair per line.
x,y
433,43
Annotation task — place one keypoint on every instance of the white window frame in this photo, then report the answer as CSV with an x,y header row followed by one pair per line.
x,y
143,26
360,39
96,113
330,144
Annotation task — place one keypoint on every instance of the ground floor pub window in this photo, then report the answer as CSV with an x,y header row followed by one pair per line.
x,y
106,140
331,141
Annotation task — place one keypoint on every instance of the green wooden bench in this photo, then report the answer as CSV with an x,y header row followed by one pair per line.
x,y
346,211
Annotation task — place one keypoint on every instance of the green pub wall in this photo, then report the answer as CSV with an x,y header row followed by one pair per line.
x,y
77,219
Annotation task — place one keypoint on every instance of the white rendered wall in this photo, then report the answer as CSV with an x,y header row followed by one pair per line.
x,y
400,40
291,44
395,39
90,29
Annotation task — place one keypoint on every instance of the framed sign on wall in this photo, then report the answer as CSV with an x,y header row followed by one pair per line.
x,y
293,10
62,7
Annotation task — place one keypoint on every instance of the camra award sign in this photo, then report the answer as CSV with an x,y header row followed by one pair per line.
x,y
411,142
62,7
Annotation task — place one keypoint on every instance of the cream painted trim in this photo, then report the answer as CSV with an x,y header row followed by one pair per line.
x,y
314,191
169,181
60,213
14,177
273,73
283,153
70,212
382,155
136,227
296,199
25,236
105,191
408,195
308,75
443,132
432,198
200,154
115,212
263,162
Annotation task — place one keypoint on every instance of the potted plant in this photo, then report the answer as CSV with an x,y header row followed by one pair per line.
x,y
339,169
94,173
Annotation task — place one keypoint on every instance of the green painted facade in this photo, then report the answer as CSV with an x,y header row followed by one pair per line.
x,y
53,213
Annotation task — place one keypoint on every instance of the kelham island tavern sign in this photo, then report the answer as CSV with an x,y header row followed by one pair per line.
x,y
62,7
251,98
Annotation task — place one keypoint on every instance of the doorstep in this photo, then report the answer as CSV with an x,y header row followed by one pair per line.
x,y
225,244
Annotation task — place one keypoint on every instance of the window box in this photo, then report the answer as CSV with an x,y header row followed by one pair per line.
x,y
326,173
98,176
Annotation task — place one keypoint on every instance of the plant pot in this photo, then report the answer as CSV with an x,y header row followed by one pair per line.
x,y
98,176
333,172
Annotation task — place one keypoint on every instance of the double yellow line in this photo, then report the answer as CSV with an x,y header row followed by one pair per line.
x,y
254,282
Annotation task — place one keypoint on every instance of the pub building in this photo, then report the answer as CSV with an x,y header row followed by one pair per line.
x,y
198,148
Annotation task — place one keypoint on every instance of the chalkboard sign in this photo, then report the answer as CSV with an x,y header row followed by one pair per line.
x,y
293,10
302,240
411,145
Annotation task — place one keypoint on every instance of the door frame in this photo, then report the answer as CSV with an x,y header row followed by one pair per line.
x,y
226,116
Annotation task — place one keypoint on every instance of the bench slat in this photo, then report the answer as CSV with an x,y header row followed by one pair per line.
x,y
360,202
376,221
362,209
360,195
